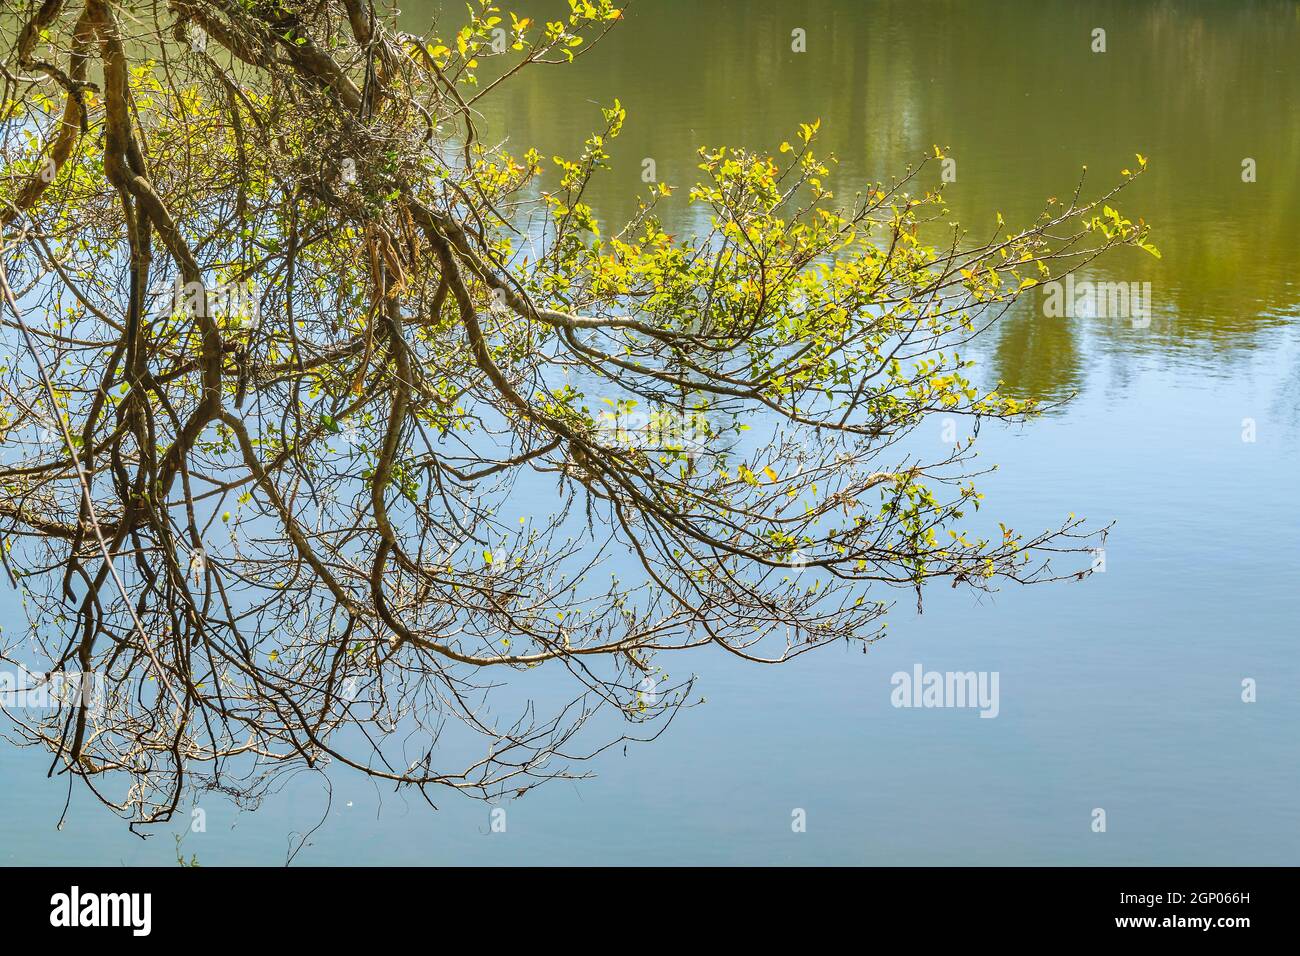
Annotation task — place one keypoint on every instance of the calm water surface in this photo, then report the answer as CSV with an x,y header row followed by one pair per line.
x,y
1122,692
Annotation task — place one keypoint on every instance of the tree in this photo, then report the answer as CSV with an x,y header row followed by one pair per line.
x,y
290,342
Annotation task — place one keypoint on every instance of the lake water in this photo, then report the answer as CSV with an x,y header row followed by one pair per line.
x,y
1123,692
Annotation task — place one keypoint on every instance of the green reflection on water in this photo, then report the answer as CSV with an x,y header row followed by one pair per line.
x,y
1015,92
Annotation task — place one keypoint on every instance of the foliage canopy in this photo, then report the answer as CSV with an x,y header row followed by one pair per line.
x,y
298,346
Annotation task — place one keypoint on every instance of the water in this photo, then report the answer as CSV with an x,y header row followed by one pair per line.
x,y
1123,692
